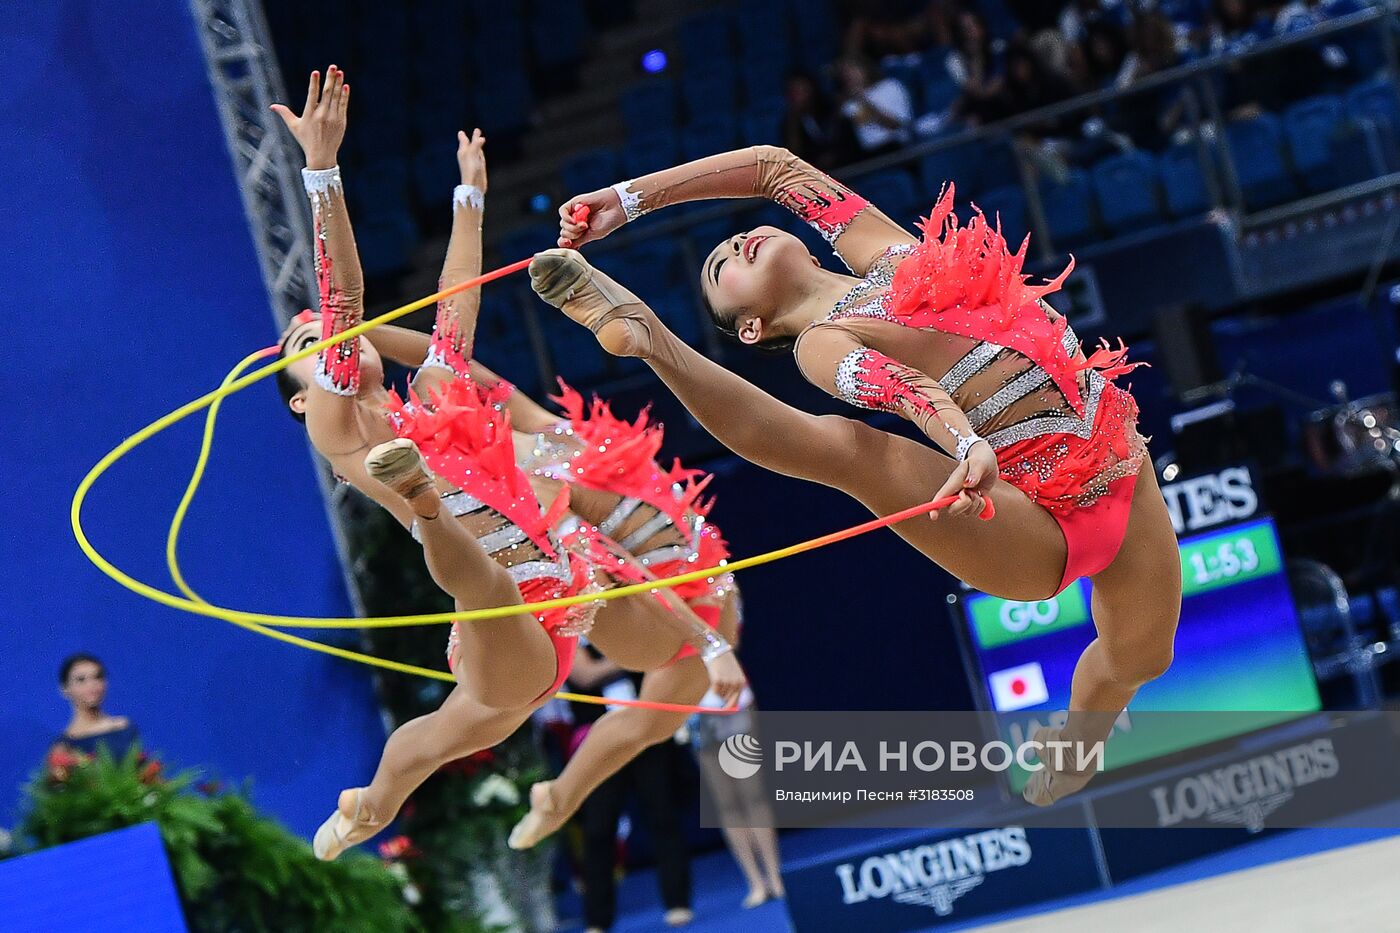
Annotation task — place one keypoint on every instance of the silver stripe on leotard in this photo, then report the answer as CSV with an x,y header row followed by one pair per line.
x,y
1055,424
1007,395
502,539
619,515
964,369
461,503
535,569
689,551
457,503
981,355
664,555
650,527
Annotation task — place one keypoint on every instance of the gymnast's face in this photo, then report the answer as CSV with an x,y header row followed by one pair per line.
x,y
299,337
746,277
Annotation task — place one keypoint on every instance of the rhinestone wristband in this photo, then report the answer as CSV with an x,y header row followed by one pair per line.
x,y
715,646
468,196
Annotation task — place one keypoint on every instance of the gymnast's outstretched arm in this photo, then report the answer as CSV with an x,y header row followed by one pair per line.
x,y
319,130
836,360
858,231
741,416
455,327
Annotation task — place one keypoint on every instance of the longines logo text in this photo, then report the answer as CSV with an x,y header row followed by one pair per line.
x,y
937,874
1246,792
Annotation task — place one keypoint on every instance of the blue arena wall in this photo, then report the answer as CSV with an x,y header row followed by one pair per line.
x,y
130,287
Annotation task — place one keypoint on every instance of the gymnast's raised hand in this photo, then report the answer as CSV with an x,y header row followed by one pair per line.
x,y
320,128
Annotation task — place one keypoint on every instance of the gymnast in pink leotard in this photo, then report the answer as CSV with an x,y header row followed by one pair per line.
x,y
443,464
948,334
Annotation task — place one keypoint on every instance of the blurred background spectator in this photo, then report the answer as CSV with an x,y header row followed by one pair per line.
x,y
813,128
653,779
82,679
878,106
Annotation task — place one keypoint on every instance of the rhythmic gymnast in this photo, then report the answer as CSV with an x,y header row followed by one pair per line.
x,y
657,517
946,333
506,548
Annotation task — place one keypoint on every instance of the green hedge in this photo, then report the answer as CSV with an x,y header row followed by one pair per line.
x,y
235,870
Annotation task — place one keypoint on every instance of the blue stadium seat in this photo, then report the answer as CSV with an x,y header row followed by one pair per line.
x,y
764,32
529,240
1312,128
435,173
1256,147
707,37
590,170
893,191
960,164
711,89
762,123
1375,106
437,122
386,241
818,33
503,104
1182,181
497,45
649,106
1007,204
707,135
576,356
1068,213
998,165
558,31
1126,187
678,308
650,153
653,266
379,188
762,79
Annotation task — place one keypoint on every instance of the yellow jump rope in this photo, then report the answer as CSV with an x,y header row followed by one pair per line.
x,y
261,623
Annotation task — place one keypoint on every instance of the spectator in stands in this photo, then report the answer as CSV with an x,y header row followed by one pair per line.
x,y
879,108
975,65
1235,25
813,128
82,679
653,778
895,27
1098,59
1030,83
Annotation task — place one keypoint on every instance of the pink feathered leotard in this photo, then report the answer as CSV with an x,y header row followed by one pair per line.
x,y
958,308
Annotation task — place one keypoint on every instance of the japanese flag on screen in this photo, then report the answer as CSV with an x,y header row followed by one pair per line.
x,y
1018,687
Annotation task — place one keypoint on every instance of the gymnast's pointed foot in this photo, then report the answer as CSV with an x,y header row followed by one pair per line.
x,y
543,819
1049,785
398,465
351,823
619,319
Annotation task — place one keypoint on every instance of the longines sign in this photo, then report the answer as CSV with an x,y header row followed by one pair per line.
x,y
927,881
1211,499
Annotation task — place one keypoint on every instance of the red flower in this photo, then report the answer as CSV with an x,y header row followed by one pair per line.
x,y
471,764
150,773
399,847
61,762
210,788
61,757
